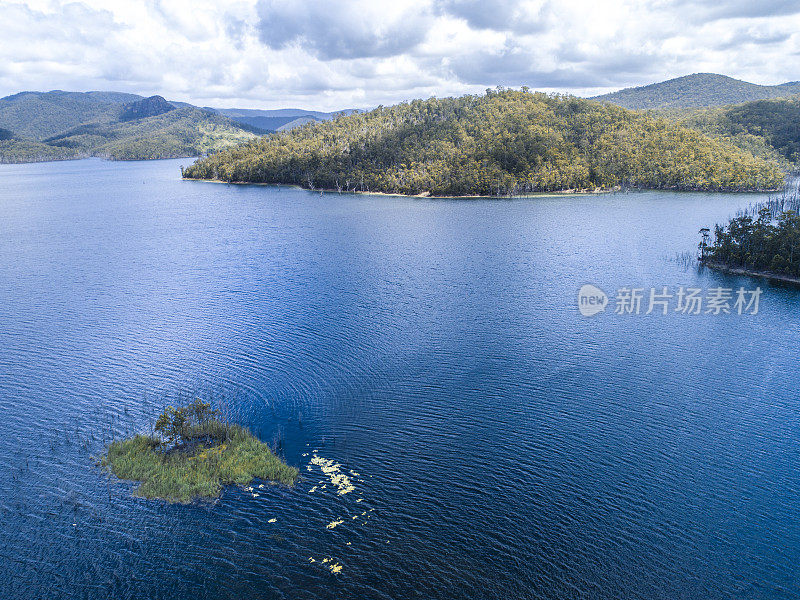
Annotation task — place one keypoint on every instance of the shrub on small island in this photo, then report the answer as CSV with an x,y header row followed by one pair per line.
x,y
194,453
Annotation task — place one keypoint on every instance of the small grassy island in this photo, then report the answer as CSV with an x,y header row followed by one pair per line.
x,y
193,453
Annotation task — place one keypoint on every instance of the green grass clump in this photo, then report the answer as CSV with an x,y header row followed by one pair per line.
x,y
209,455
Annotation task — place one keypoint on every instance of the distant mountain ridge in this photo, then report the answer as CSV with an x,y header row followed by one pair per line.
x,y
60,125
39,115
281,119
699,90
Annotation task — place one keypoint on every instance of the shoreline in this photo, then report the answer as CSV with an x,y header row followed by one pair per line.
x,y
421,195
552,194
723,268
92,157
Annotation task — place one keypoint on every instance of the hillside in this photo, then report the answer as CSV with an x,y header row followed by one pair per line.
x,y
503,142
23,151
774,124
67,125
179,132
697,91
147,107
39,115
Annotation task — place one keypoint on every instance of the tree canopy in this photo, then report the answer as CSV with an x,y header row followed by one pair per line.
x,y
766,243
503,142
775,123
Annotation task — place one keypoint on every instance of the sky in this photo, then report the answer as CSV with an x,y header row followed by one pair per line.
x,y
336,54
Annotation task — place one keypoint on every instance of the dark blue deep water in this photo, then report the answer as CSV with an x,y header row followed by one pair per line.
x,y
507,446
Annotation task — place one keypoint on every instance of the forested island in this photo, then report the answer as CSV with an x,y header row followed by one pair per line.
x,y
192,453
501,143
768,244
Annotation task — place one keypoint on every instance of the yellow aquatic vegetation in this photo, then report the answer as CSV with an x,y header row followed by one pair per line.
x,y
333,524
272,520
312,490
335,567
333,470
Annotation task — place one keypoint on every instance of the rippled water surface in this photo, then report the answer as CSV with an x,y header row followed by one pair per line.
x,y
506,447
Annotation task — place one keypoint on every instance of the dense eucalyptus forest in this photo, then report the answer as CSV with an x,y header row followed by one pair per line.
x,y
770,124
503,142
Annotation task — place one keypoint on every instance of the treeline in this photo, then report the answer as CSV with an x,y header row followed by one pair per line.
x,y
503,142
15,150
768,242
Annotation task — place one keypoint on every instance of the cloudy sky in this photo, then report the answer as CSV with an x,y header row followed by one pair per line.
x,y
333,54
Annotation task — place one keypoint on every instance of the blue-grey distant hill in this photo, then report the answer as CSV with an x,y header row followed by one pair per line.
x,y
700,90
59,125
281,119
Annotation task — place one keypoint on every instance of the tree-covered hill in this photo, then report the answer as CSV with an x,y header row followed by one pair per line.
x,y
771,123
503,142
111,125
697,91
22,151
39,115
179,132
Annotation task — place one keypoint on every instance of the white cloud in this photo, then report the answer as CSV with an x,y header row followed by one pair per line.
x,y
343,53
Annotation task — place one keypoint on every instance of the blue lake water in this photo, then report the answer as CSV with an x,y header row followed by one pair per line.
x,y
507,446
